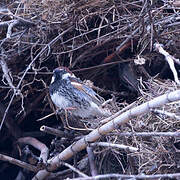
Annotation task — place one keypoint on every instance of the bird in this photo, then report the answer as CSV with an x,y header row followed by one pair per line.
x,y
69,93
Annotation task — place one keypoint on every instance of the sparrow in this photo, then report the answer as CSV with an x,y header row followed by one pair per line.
x,y
69,93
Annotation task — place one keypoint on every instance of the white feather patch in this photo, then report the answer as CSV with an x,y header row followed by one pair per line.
x,y
66,75
59,100
52,80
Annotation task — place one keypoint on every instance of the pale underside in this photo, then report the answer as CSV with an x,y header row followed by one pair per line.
x,y
92,110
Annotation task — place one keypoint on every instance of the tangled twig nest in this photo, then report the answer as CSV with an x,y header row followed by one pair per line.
x,y
157,152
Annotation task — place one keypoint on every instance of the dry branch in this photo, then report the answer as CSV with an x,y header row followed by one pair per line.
x,y
92,163
120,146
74,169
105,176
150,134
18,163
52,131
38,145
6,73
169,59
17,21
168,114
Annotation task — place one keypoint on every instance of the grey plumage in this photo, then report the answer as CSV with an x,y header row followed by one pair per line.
x,y
67,91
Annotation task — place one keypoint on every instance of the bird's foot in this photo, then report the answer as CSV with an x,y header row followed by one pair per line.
x,y
63,111
70,108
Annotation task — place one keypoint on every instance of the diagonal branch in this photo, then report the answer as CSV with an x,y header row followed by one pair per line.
x,y
18,163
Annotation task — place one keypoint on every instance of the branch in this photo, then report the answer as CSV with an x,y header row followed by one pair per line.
x,y
169,59
149,134
10,28
54,131
36,144
165,113
119,176
120,146
6,72
18,163
17,21
74,169
91,158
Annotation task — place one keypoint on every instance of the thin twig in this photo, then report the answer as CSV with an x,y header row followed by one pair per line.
x,y
91,158
74,169
165,113
169,59
148,134
105,176
6,72
120,146
118,113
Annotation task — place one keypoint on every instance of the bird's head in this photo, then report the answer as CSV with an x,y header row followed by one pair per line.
x,y
61,73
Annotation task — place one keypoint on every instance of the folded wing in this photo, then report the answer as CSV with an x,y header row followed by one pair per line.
x,y
87,90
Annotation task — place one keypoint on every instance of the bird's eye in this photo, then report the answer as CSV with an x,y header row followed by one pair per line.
x,y
52,80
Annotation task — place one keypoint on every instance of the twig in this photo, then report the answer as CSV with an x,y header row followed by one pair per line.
x,y
169,59
21,21
82,164
120,146
144,134
6,23
91,158
14,23
86,53
31,106
105,176
6,72
45,117
106,128
171,115
73,169
53,131
18,163
10,27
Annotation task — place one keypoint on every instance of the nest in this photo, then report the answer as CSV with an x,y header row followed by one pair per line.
x,y
110,43
158,153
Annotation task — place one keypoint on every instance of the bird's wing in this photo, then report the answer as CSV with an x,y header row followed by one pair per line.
x,y
78,84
